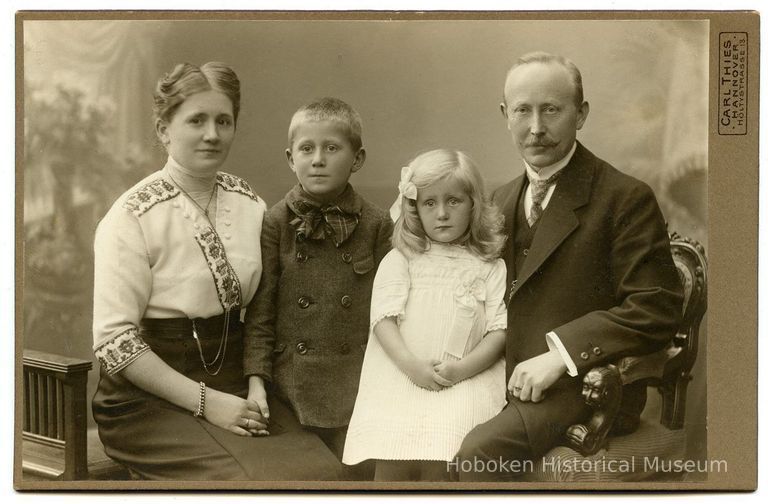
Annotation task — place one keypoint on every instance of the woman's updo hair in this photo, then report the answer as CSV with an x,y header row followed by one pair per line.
x,y
186,79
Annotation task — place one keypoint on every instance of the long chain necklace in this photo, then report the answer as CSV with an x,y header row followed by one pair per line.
x,y
222,350
207,207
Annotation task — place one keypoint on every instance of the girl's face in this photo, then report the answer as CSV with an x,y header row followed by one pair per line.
x,y
445,210
199,134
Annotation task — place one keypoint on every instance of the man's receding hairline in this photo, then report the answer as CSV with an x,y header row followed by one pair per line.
x,y
554,62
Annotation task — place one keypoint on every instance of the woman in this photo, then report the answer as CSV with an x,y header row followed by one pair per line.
x,y
177,257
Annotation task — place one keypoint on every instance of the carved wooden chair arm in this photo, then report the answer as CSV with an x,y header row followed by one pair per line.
x,y
667,369
603,390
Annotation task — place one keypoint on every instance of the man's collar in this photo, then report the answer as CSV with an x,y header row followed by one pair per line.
x,y
548,171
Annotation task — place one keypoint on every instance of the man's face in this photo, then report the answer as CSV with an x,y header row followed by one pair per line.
x,y
541,112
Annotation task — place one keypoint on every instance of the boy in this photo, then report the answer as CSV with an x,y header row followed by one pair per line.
x,y
307,327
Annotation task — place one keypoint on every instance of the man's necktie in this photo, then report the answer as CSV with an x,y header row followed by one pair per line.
x,y
539,190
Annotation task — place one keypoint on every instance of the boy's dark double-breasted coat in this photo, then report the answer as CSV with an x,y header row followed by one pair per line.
x,y
307,327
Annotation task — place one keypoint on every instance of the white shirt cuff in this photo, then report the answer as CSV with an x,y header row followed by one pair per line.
x,y
554,342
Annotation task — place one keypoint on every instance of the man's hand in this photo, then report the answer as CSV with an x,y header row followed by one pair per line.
x,y
531,378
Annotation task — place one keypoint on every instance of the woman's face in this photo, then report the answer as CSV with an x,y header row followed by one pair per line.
x,y
201,131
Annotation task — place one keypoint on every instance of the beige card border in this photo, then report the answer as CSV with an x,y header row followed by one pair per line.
x,y
732,254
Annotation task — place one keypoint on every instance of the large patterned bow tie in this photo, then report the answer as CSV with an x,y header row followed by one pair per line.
x,y
317,223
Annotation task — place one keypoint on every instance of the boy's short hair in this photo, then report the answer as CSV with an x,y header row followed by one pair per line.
x,y
330,109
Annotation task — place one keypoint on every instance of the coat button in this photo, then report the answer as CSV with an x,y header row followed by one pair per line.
x,y
304,302
597,351
301,348
525,252
346,301
344,348
584,355
346,257
301,256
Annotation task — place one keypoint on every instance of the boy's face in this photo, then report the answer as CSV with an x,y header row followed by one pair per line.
x,y
323,158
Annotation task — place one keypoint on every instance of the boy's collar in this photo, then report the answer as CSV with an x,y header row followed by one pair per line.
x,y
348,201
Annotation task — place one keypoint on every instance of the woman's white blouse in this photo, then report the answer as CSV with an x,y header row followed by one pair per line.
x,y
157,256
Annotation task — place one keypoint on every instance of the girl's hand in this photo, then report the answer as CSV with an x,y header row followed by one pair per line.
x,y
420,372
232,413
439,379
450,371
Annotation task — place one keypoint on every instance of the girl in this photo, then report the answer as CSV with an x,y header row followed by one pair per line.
x,y
433,368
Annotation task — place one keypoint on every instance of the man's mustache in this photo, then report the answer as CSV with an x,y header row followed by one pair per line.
x,y
540,143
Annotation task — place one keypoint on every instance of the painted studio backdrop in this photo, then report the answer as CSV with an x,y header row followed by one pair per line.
x,y
89,135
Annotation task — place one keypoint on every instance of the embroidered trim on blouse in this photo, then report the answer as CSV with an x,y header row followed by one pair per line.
x,y
224,276
121,350
146,197
233,183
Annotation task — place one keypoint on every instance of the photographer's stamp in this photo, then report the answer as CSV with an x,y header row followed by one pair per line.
x,y
732,85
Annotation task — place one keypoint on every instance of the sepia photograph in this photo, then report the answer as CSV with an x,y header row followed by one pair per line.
x,y
449,251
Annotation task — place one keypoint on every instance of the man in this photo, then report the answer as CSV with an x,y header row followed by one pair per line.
x,y
589,269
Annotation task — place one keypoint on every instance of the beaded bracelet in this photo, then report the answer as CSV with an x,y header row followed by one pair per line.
x,y
201,403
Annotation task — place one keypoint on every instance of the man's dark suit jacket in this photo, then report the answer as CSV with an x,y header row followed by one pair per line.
x,y
599,273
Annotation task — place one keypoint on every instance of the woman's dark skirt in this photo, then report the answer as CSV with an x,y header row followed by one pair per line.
x,y
159,440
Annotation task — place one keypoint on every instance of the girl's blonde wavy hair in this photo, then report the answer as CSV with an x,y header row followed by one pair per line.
x,y
484,236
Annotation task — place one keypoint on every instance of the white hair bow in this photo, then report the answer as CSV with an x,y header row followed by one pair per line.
x,y
406,189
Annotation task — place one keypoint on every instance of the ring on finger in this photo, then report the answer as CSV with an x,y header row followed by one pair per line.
x,y
247,423
517,389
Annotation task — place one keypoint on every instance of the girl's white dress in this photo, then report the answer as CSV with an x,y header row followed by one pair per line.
x,y
445,300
